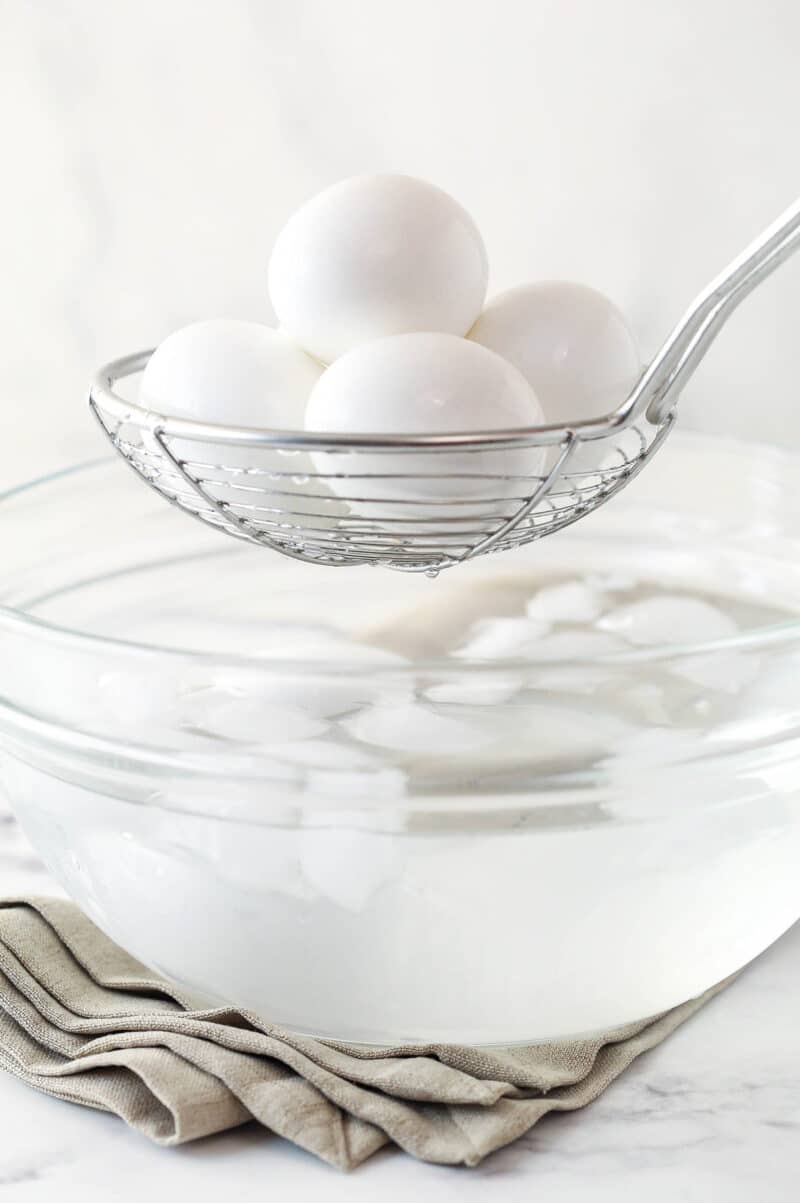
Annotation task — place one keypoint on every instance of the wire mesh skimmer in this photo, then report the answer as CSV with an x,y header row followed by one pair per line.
x,y
340,500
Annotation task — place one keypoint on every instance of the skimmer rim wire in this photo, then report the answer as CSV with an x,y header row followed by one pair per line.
x,y
247,486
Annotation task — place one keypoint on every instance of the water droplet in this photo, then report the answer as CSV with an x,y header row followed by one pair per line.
x,y
432,573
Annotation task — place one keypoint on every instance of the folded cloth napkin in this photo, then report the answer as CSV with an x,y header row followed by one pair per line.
x,y
82,1020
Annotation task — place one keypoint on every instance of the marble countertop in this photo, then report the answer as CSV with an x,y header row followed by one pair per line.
x,y
712,1114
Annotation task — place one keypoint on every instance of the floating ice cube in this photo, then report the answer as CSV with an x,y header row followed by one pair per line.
x,y
725,672
319,694
774,692
327,754
531,735
138,703
343,770
253,721
652,746
413,728
575,645
485,691
571,733
573,601
669,619
502,638
246,855
571,678
322,698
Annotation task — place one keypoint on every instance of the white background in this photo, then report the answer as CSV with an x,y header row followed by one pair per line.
x,y
151,150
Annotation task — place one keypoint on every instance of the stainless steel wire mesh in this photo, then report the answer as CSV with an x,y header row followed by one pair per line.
x,y
421,503
268,488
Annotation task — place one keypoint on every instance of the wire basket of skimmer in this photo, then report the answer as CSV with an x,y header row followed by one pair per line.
x,y
345,499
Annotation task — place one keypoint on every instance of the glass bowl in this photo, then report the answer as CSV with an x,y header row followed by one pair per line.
x,y
346,801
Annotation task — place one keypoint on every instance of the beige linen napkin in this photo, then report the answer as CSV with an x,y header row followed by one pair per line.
x,y
82,1020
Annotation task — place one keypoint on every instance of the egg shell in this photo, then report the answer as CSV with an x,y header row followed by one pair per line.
x,y
425,384
232,373
235,373
570,342
376,255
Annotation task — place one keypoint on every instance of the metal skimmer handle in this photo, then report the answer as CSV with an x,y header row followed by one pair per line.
x,y
678,358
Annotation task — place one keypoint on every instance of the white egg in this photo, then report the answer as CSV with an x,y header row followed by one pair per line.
x,y
570,342
230,372
376,255
234,373
424,384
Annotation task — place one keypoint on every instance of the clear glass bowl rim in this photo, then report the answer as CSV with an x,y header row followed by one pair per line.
x,y
75,747
13,618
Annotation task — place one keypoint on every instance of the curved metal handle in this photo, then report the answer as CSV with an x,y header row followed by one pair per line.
x,y
688,343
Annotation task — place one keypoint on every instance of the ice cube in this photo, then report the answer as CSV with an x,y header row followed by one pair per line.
x,y
253,721
572,678
327,754
726,672
246,855
413,728
532,735
485,691
771,700
669,619
502,638
322,698
573,601
652,746
319,694
343,770
777,686
138,703
575,645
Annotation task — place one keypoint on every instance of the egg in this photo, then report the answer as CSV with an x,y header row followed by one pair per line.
x,y
571,344
232,373
424,383
376,255
235,373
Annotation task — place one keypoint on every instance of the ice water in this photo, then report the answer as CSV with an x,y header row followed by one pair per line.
x,y
504,812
